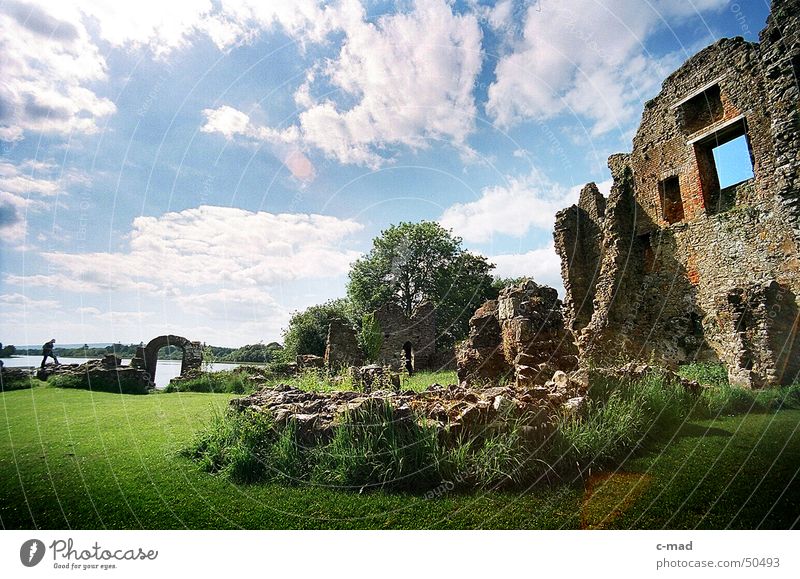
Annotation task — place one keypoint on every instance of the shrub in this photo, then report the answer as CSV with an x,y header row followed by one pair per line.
x,y
121,382
236,444
10,380
707,373
224,381
371,337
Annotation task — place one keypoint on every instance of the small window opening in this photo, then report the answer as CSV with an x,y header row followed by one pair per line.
x,y
669,191
408,357
701,110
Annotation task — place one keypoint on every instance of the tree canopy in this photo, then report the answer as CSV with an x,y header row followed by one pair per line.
x,y
411,263
308,330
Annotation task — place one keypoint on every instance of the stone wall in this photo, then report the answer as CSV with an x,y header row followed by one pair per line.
x,y
521,336
676,268
341,347
405,336
147,358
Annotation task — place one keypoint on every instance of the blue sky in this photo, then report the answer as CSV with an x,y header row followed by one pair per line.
x,y
206,168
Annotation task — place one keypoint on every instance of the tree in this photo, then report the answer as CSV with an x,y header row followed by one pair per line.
x,y
501,283
415,262
308,330
371,337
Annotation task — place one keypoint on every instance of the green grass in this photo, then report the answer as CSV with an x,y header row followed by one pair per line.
x,y
79,459
226,381
422,380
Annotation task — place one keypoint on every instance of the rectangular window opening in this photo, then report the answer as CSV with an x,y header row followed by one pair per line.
x,y
701,110
669,191
725,160
733,162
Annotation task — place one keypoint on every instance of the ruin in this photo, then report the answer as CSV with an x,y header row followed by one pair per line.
x,y
341,347
520,337
409,342
679,263
146,357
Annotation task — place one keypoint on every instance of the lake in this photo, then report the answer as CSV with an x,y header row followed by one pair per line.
x,y
165,371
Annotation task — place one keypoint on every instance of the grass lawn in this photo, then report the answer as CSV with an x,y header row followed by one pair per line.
x,y
77,459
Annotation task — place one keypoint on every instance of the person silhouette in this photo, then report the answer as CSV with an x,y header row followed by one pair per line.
x,y
47,352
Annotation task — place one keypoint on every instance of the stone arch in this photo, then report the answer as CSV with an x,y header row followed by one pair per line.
x,y
192,354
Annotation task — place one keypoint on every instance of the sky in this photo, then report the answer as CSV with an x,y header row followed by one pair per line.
x,y
207,168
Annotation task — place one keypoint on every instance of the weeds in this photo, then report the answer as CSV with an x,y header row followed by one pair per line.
x,y
228,381
374,447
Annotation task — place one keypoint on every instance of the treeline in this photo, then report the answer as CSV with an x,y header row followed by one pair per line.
x,y
263,353
409,264
253,353
121,350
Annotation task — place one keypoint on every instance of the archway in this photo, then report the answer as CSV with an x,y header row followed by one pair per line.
x,y
192,357
408,357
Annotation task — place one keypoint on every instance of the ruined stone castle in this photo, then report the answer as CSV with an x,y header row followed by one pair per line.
x,y
676,264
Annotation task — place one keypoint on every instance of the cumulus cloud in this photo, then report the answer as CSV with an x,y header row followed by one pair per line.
x,y
542,265
404,80
586,58
48,59
24,188
514,209
19,301
208,246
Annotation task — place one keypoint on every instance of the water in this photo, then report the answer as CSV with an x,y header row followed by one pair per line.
x,y
166,370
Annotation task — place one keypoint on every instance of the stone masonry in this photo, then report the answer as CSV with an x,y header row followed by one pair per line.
x,y
341,348
672,266
407,338
520,336
408,342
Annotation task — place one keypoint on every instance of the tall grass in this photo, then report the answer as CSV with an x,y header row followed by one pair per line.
x,y
374,447
721,398
226,381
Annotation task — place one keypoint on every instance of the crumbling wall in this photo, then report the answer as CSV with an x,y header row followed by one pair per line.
x,y
686,267
147,357
405,336
341,347
577,228
521,336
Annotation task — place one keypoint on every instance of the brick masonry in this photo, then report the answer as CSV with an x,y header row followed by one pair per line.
x,y
671,267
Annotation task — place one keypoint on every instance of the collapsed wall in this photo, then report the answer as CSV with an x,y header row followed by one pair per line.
x,y
407,342
521,337
677,264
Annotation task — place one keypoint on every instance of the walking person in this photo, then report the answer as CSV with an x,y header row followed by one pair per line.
x,y
47,352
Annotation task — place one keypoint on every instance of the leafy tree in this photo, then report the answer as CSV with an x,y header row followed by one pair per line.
x,y
415,262
500,283
308,330
371,337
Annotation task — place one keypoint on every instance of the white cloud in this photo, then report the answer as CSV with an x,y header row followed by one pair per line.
x,y
209,246
23,189
401,81
541,265
525,203
17,301
586,58
48,58
226,121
